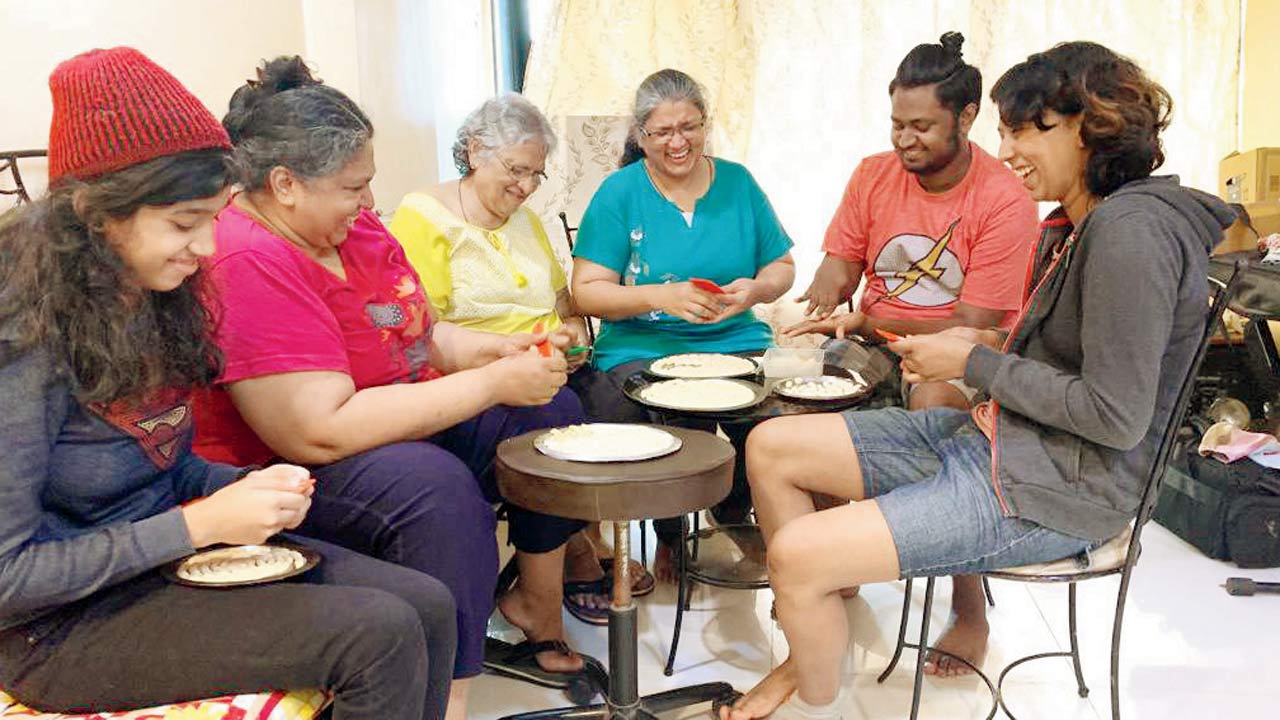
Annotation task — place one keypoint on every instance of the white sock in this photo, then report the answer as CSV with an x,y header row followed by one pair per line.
x,y
804,711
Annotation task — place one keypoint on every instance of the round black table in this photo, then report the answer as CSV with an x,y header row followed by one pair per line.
x,y
696,476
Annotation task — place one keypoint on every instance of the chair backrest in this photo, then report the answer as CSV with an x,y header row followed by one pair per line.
x,y
9,164
1220,297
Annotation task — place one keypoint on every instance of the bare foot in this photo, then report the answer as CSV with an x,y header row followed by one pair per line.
x,y
580,563
664,564
539,624
850,593
964,637
765,697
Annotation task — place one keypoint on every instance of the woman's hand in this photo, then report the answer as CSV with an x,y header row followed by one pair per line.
x,y
738,296
689,303
990,338
837,325
527,378
251,509
937,356
577,327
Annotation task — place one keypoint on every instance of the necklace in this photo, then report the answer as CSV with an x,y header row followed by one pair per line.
x,y
662,188
463,207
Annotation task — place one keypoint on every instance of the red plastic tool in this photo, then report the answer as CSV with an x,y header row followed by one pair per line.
x,y
890,336
707,285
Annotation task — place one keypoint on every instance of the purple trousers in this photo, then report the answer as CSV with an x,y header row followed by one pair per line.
x,y
428,505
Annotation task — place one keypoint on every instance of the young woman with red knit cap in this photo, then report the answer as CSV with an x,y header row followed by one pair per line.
x,y
102,338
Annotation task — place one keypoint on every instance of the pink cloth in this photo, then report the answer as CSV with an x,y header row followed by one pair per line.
x,y
280,311
1228,443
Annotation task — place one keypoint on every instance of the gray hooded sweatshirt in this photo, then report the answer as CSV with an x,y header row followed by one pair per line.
x,y
1092,369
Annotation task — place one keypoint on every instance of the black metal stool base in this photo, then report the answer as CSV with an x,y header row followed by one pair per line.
x,y
650,707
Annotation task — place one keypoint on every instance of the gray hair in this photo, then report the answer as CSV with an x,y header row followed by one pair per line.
x,y
500,122
667,85
289,118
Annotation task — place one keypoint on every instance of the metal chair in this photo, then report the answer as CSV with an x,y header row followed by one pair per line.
x,y
1115,557
9,163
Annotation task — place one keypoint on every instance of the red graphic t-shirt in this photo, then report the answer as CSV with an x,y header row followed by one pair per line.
x,y
924,252
278,311
157,422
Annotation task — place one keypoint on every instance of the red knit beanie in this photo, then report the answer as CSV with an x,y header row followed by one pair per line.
x,y
115,108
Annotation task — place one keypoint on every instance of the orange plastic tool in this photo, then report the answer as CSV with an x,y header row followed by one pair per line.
x,y
890,336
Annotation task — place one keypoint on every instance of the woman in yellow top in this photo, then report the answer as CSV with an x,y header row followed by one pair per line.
x,y
486,264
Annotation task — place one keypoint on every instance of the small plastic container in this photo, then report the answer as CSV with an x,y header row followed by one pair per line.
x,y
792,362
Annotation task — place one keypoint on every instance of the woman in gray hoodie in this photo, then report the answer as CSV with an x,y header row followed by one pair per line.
x,y
1079,391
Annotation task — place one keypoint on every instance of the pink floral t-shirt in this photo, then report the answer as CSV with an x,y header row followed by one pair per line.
x,y
276,311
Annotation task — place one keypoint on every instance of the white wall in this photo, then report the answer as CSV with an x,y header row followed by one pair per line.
x,y
416,67
212,46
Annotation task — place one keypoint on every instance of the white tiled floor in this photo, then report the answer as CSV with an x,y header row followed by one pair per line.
x,y
1189,651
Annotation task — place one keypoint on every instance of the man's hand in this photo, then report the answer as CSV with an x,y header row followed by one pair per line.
x,y
832,284
839,326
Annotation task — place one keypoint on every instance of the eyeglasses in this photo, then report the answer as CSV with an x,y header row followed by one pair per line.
x,y
665,135
520,174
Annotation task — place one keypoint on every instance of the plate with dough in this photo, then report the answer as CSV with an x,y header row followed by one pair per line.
x,y
239,565
702,365
606,442
821,387
698,395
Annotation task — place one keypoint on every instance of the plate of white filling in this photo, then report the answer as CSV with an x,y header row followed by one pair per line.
x,y
821,387
242,565
705,395
606,442
702,365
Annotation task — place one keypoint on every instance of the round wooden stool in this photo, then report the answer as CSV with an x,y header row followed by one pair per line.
x,y
696,476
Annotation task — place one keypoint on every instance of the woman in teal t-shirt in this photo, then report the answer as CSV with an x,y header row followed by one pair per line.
x,y
669,214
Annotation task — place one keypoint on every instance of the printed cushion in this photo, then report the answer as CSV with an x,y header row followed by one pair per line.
x,y
297,705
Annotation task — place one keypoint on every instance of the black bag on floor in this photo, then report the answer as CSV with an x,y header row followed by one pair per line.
x,y
1228,511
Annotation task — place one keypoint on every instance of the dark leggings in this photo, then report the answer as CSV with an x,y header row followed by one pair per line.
x,y
379,636
604,401
427,506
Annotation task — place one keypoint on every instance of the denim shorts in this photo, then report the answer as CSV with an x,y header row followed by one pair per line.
x,y
930,473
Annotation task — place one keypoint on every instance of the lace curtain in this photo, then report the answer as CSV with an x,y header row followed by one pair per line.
x,y
798,88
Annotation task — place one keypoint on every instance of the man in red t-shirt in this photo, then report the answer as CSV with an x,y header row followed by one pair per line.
x,y
943,233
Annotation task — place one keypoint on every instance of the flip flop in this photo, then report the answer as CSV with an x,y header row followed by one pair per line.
x,y
642,582
519,661
586,613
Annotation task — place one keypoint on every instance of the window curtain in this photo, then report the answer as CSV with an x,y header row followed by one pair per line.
x,y
799,88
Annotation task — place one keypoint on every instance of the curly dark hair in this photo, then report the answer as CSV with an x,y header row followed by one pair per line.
x,y
63,287
1123,111
290,118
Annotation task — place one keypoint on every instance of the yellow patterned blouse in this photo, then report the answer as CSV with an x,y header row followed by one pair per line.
x,y
501,281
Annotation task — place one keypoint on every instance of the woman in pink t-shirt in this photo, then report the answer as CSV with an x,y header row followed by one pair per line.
x,y
333,361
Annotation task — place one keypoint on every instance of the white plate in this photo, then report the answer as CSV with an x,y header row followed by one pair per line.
x,y
242,565
702,365
701,395
606,442
823,387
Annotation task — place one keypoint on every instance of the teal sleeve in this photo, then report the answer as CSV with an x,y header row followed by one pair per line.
x,y
603,235
772,241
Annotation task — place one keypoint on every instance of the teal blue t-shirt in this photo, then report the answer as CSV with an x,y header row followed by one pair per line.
x,y
630,228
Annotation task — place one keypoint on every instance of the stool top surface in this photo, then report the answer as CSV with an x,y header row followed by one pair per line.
x,y
662,487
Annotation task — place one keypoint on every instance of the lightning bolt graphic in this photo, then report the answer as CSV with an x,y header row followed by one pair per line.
x,y
927,265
